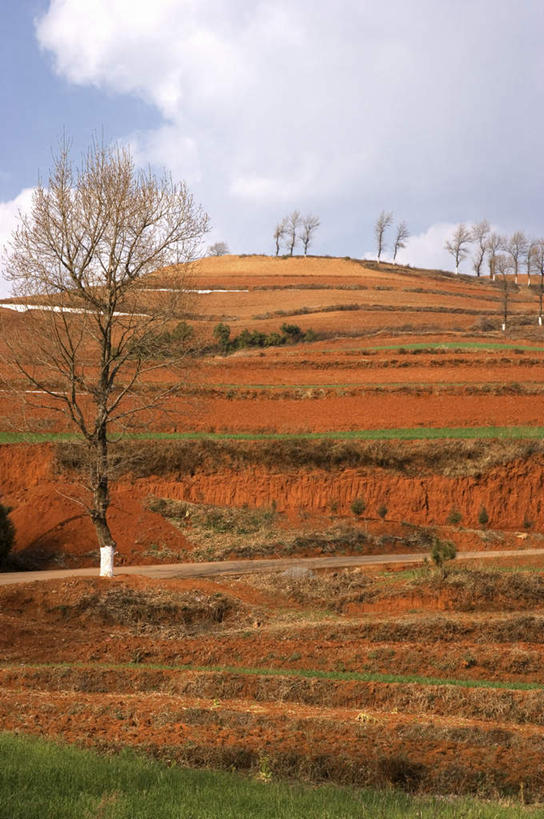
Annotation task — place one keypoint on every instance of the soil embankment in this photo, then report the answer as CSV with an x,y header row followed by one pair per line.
x,y
52,526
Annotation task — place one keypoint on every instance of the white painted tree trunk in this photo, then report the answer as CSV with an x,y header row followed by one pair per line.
x,y
106,561
540,321
504,327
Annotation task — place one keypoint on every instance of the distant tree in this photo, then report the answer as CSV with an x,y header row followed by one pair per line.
x,y
309,226
517,248
538,265
495,242
218,249
503,268
400,238
383,223
7,533
479,234
457,245
529,258
279,234
292,225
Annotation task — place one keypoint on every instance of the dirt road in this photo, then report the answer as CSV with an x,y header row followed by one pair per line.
x,y
173,570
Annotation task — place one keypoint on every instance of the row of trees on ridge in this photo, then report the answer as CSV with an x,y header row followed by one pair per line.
x,y
505,255
293,229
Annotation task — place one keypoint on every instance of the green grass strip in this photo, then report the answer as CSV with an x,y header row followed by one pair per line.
x,y
401,434
306,673
46,780
446,345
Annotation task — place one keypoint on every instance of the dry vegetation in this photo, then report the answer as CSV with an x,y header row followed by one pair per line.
x,y
328,676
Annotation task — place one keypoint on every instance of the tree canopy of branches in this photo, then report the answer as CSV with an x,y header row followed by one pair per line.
x,y
495,242
218,249
309,226
478,235
517,248
401,236
383,223
279,234
457,245
292,224
93,233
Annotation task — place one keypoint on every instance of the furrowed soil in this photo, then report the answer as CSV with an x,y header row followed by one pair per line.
x,y
409,679
293,668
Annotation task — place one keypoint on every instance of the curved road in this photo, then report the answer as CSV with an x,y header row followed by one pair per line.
x,y
170,571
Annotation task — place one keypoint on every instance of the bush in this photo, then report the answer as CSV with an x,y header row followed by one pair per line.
x,y
455,517
483,517
358,506
7,533
442,551
382,511
221,333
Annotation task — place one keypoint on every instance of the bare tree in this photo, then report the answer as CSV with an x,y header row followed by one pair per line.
x,y
279,234
516,248
292,225
400,238
479,234
495,242
93,233
218,249
456,246
383,223
503,267
529,259
309,226
537,260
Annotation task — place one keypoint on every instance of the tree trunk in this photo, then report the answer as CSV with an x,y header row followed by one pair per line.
x,y
101,502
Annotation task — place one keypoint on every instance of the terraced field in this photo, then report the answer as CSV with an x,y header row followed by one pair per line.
x,y
409,416
293,674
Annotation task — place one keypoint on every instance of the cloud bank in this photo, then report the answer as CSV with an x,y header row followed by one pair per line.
x,y
339,109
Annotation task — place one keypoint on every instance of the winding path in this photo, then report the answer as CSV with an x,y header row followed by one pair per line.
x,y
171,571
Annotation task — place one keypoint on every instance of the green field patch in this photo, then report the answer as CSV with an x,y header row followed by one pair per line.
x,y
401,434
307,673
43,779
446,345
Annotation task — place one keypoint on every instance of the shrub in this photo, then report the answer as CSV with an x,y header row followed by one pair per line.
x,y
221,333
483,517
382,511
7,533
454,517
358,506
442,551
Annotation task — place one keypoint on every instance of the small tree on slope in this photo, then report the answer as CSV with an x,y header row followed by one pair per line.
x,y
92,234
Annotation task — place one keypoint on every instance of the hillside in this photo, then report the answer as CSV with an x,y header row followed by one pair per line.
x,y
397,352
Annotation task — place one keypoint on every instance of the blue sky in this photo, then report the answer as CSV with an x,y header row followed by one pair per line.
x,y
431,109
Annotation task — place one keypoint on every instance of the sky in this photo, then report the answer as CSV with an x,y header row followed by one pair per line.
x,y
432,110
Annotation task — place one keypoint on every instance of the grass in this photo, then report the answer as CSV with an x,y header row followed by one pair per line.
x,y
306,673
401,434
45,780
447,345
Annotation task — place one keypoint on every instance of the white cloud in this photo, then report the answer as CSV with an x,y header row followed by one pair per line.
x,y
9,214
427,249
271,104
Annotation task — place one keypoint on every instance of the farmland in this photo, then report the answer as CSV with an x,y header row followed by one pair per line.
x,y
408,416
